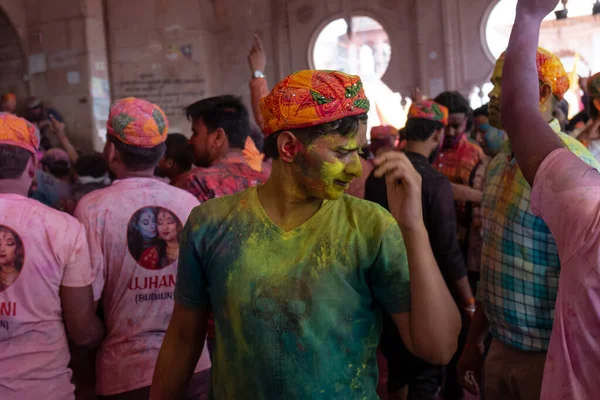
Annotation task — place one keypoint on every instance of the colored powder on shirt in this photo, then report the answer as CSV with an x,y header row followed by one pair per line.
x,y
300,309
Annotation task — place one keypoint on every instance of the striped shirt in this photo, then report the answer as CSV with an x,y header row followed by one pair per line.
x,y
520,265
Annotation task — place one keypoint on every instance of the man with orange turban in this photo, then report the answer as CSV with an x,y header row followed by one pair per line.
x,y
520,264
45,278
566,194
424,133
134,229
297,273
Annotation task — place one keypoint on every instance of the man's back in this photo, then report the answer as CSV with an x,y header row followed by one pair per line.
x,y
41,249
296,308
134,228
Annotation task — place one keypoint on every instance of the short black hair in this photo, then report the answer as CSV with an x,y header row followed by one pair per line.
x,y
482,111
13,161
59,169
345,126
138,158
227,112
92,165
454,102
180,151
419,129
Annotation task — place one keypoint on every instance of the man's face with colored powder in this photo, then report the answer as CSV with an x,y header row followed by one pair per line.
x,y
494,107
329,163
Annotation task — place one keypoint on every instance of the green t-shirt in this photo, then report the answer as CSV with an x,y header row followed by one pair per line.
x,y
297,314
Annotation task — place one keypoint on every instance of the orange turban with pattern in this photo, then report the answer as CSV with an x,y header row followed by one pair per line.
x,y
430,110
551,72
383,132
312,97
138,123
16,131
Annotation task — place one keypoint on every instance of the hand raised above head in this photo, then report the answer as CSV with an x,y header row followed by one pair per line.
x,y
257,58
538,9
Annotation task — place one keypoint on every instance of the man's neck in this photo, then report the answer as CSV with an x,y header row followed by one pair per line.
x,y
284,202
14,186
421,148
127,174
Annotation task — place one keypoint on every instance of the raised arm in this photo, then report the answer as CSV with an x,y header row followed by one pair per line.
x,y
430,330
257,60
530,136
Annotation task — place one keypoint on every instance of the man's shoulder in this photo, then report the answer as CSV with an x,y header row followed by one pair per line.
x,y
577,148
364,210
38,212
218,209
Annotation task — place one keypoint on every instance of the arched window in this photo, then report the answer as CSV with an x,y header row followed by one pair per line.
x,y
576,40
361,46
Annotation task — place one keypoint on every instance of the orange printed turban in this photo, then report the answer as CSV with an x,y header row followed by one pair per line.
x,y
430,110
383,131
312,97
138,123
551,72
594,85
16,131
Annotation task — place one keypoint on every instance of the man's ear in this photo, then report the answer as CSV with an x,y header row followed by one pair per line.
x,y
438,135
545,93
32,166
289,146
217,138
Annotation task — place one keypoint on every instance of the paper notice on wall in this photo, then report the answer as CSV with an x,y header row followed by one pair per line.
x,y
436,86
73,77
37,63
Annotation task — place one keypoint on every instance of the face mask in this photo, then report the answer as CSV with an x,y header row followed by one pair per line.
x,y
493,138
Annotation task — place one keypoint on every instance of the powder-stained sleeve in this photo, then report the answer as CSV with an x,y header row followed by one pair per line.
x,y
389,276
191,289
566,195
78,268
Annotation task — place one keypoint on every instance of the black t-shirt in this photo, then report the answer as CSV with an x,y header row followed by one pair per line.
x,y
439,215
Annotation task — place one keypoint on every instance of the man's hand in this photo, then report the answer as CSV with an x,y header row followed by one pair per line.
x,y
469,368
57,127
537,9
403,188
415,95
257,59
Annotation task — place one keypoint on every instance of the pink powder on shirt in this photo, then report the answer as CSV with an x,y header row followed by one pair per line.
x,y
130,226
566,194
49,250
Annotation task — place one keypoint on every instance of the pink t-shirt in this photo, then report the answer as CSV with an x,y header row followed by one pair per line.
x,y
134,228
41,249
566,194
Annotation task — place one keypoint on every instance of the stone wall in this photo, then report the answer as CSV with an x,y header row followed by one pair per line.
x,y
176,52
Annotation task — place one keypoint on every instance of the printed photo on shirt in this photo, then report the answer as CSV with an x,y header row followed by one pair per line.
x,y
153,235
12,257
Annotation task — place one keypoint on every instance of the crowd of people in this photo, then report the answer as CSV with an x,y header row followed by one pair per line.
x,y
278,254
